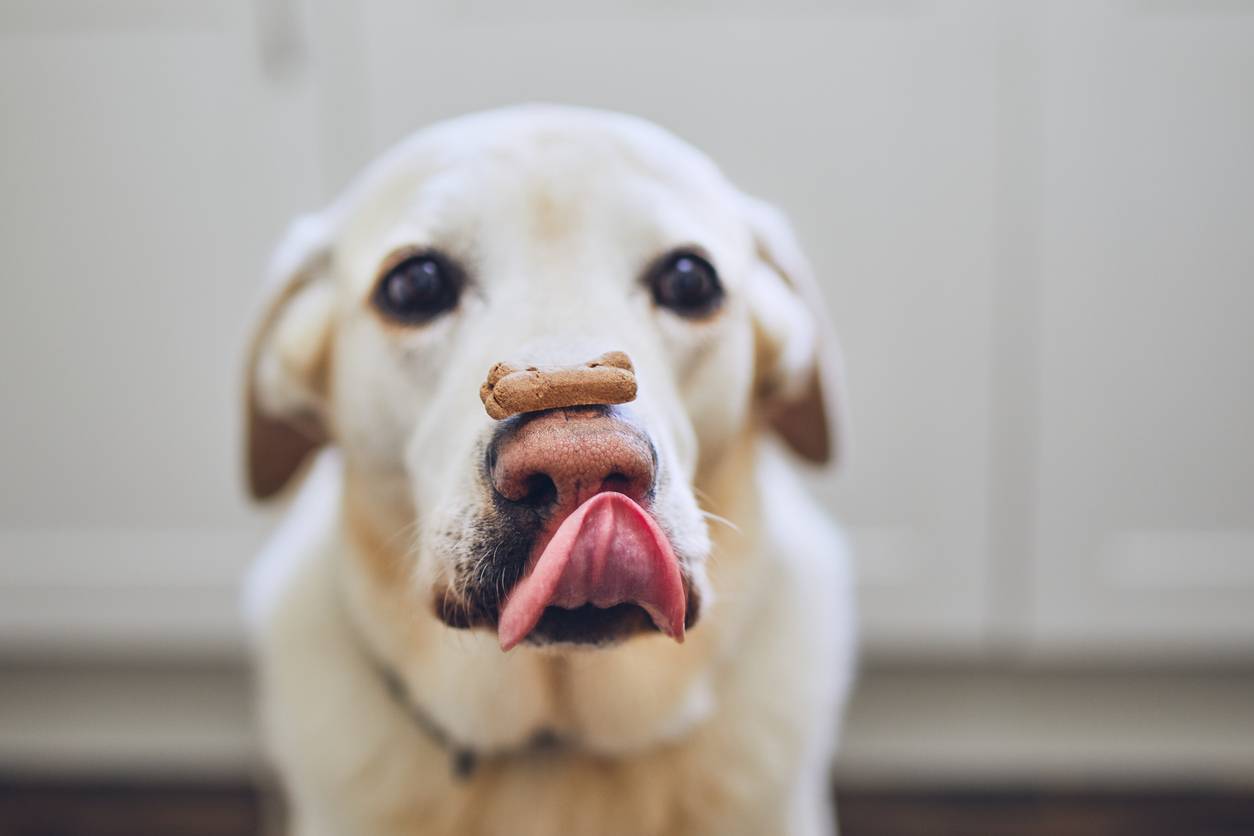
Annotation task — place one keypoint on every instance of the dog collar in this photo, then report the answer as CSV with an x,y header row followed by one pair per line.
x,y
463,760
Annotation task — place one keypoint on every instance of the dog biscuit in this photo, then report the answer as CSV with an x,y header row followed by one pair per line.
x,y
511,389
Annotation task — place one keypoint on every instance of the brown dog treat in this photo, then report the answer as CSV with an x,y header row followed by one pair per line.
x,y
511,388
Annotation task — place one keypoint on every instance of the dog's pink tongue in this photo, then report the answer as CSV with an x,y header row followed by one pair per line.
x,y
608,552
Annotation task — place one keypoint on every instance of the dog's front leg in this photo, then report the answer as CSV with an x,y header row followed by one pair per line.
x,y
811,812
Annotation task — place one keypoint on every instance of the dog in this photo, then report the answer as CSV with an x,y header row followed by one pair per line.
x,y
591,618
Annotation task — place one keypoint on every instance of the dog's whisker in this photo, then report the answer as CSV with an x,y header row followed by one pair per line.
x,y
718,518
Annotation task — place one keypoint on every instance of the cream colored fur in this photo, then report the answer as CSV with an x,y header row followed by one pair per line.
x,y
731,732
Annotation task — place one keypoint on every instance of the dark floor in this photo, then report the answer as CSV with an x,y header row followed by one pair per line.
x,y
59,809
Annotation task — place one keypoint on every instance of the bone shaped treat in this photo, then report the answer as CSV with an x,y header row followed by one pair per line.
x,y
511,389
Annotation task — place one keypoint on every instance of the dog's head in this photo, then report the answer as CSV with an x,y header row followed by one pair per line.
x,y
540,237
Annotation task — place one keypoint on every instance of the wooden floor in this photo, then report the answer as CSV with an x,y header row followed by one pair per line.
x,y
43,809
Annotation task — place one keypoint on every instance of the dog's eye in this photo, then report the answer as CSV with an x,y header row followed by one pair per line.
x,y
687,284
418,288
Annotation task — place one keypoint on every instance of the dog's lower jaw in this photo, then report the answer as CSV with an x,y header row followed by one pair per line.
x,y
587,626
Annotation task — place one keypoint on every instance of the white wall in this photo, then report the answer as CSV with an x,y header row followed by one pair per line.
x,y
1032,221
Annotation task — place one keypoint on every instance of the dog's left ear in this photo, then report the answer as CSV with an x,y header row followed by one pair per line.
x,y
799,372
288,361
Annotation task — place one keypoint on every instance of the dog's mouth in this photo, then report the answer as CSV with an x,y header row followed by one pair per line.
x,y
605,573
608,554
590,625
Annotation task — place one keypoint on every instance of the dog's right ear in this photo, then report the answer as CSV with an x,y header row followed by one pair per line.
x,y
289,359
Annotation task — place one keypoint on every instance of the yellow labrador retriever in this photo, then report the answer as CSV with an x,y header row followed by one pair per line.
x,y
605,610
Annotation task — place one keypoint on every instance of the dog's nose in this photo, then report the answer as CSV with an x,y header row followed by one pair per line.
x,y
561,458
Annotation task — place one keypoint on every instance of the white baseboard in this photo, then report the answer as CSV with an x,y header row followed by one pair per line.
x,y
1051,727
127,721
904,727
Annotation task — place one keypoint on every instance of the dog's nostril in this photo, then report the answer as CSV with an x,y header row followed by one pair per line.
x,y
617,482
539,490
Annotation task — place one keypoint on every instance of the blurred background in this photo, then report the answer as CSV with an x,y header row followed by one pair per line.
x,y
1035,225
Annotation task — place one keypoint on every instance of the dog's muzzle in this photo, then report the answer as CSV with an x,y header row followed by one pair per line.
x,y
585,560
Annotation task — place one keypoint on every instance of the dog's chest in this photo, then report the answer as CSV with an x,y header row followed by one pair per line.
x,y
677,790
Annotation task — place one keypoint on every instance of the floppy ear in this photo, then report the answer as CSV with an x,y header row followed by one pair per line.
x,y
799,375
288,360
